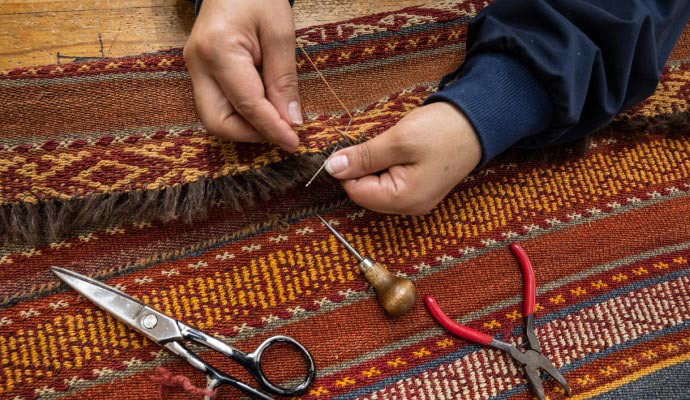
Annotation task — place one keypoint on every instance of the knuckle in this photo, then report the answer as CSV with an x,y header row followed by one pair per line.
x,y
213,42
214,126
280,34
246,107
363,157
283,83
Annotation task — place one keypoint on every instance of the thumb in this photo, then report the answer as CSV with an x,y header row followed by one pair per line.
x,y
366,158
279,69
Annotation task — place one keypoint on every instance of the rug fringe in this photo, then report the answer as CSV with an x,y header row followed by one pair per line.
x,y
52,220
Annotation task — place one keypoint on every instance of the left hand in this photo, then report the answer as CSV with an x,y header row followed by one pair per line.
x,y
420,160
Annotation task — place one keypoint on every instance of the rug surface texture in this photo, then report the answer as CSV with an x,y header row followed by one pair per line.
x,y
105,170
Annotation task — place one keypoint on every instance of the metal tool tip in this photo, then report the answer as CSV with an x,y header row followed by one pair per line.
x,y
57,270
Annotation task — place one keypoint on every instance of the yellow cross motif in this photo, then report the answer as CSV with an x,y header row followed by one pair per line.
x,y
493,324
397,362
412,43
559,390
585,380
448,342
344,382
620,277
114,231
454,35
30,253
321,59
344,55
557,300
139,64
318,392
640,271
680,260
578,291
514,315
649,354
686,340
629,362
371,372
608,371
538,307
391,46
433,39
369,50
165,63
661,265
421,353
5,260
84,67
113,65
669,347
599,284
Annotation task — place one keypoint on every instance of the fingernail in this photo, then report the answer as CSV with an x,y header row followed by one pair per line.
x,y
294,113
336,164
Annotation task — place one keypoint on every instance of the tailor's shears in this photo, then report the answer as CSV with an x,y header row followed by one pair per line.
x,y
169,333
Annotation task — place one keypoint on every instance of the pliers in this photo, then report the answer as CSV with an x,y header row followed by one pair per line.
x,y
531,359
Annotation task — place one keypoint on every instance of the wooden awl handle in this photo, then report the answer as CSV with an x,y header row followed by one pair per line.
x,y
396,294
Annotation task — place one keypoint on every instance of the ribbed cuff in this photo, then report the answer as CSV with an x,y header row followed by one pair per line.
x,y
501,98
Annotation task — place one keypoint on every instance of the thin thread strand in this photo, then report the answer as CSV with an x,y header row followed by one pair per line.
x,y
323,78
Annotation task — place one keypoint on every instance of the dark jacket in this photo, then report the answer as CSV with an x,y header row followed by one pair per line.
x,y
540,73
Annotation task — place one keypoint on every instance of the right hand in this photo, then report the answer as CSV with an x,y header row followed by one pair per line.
x,y
229,40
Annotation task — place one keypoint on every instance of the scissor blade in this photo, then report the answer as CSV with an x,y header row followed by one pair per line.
x,y
109,299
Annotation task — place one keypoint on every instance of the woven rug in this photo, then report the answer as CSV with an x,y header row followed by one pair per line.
x,y
94,156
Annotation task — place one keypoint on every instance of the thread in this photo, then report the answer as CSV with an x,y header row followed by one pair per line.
x,y
167,380
347,128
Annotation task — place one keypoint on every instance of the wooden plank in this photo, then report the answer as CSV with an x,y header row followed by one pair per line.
x,y
33,32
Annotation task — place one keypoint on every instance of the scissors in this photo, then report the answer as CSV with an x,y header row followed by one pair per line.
x,y
169,333
532,360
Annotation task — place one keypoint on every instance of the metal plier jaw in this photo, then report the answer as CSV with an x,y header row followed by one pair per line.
x,y
531,358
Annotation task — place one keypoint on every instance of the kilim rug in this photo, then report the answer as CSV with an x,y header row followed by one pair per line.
x,y
106,170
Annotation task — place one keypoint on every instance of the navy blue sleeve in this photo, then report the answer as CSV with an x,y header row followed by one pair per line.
x,y
541,73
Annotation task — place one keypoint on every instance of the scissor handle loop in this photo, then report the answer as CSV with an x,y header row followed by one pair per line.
x,y
277,389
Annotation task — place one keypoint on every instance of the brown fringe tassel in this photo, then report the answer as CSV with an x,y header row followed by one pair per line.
x,y
52,220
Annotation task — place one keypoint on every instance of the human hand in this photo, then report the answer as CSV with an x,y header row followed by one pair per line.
x,y
422,157
229,39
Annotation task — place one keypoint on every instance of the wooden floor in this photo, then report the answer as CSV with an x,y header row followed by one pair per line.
x,y
39,32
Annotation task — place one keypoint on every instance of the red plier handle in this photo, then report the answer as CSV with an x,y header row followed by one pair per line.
x,y
472,334
452,326
528,274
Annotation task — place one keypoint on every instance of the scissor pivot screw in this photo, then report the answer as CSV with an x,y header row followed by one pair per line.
x,y
149,321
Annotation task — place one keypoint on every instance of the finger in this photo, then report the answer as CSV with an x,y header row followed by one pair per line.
x,y
240,81
395,191
369,157
279,68
217,114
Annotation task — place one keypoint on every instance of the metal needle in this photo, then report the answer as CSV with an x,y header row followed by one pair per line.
x,y
342,239
322,167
